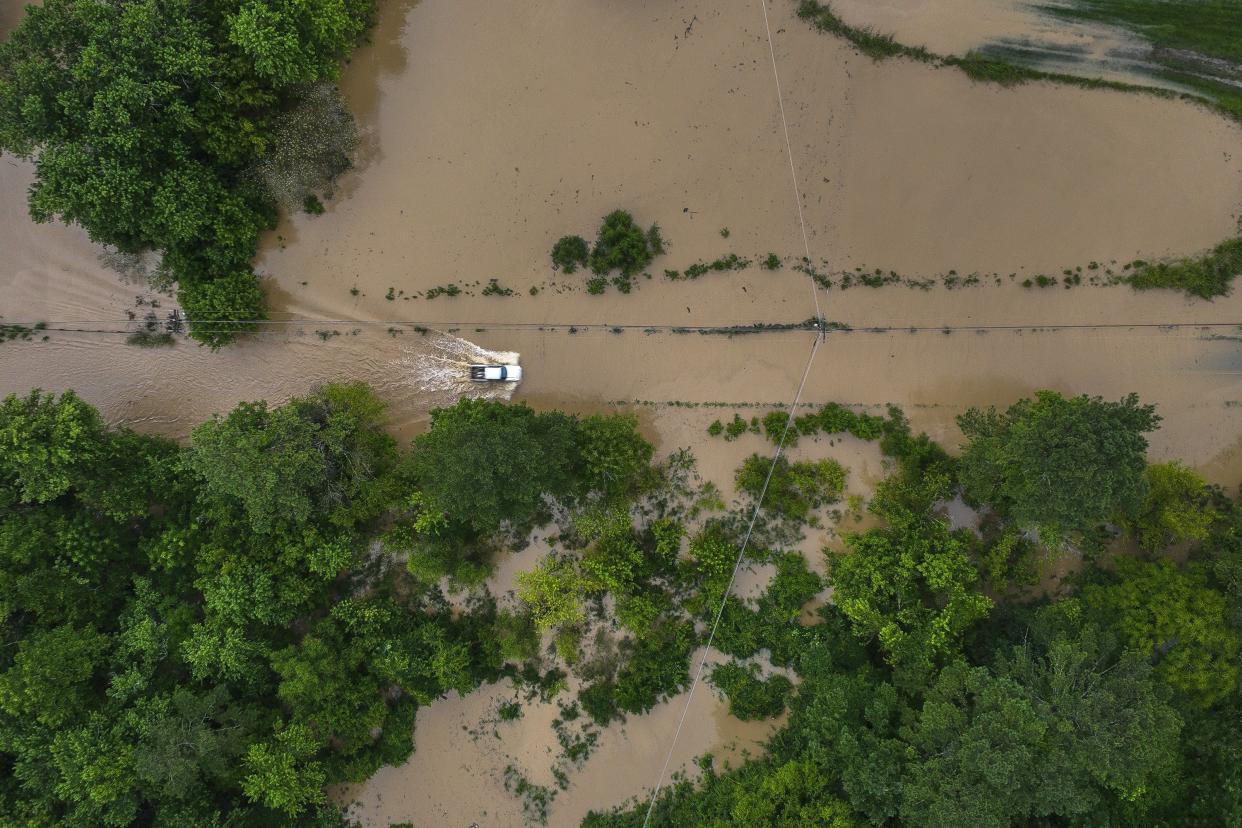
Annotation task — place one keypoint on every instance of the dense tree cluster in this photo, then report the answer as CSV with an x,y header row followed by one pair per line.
x,y
926,698
207,635
1062,465
199,636
154,124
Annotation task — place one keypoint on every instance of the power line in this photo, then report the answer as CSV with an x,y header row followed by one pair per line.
x,y
793,172
552,327
737,563
820,337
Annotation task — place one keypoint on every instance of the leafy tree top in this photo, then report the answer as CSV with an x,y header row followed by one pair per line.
x,y
146,120
1057,463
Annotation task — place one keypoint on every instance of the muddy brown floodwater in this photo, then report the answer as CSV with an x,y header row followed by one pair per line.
x,y
491,129
1016,27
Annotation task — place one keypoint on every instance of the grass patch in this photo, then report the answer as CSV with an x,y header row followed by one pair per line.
x,y
1209,28
730,262
979,67
871,43
494,288
11,332
442,290
150,339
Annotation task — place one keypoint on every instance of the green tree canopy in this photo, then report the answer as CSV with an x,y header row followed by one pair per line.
x,y
1176,508
183,641
1060,464
325,453
614,455
48,444
1174,618
910,587
484,462
145,120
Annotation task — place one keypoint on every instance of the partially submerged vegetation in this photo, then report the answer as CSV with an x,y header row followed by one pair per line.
x,y
1192,42
229,595
1206,276
932,691
620,244
207,625
24,333
180,128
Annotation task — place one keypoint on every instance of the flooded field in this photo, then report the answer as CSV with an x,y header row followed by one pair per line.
x,y
463,745
670,112
492,129
1027,31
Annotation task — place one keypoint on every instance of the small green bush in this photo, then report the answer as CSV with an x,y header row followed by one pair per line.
x,y
656,240
442,290
150,339
736,428
772,262
731,261
599,701
750,697
658,668
516,636
597,285
716,428
494,288
795,489
776,425
622,245
311,204
713,554
570,252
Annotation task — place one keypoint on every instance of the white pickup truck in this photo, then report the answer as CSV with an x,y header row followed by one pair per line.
x,y
496,373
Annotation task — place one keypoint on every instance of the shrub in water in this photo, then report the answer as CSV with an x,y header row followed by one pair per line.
x,y
751,697
569,253
622,245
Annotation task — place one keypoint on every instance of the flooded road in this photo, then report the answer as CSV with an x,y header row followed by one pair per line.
x,y
1193,376
489,130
